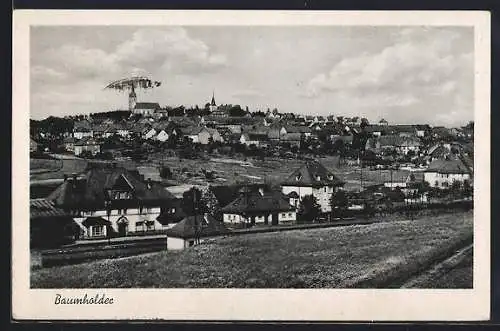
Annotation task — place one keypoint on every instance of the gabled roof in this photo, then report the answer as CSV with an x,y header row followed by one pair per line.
x,y
255,202
449,166
207,226
313,174
225,193
147,105
295,136
44,208
86,141
297,129
89,192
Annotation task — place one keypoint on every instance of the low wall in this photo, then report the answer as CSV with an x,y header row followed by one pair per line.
x,y
89,252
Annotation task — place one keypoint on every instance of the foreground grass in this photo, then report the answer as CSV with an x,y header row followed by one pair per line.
x,y
334,257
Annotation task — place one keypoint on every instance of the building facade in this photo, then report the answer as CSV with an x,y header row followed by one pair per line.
x,y
110,201
312,179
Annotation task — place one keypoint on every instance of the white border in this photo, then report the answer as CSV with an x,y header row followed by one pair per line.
x,y
253,304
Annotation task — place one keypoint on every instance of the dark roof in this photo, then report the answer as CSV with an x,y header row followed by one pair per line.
x,y
297,129
186,228
95,220
168,217
85,141
293,195
308,174
393,140
225,193
147,105
255,202
90,191
44,208
449,166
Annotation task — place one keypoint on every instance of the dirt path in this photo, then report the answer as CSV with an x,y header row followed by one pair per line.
x,y
459,265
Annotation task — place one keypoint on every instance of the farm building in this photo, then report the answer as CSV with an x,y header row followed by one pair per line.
x,y
193,229
312,179
259,206
111,201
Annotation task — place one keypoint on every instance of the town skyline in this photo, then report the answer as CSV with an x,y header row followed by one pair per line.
x,y
401,74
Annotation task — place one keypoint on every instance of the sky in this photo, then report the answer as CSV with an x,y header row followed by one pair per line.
x,y
402,74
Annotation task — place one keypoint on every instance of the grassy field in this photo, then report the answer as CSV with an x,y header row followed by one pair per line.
x,y
336,257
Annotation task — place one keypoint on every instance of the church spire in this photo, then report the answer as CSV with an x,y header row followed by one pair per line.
x,y
213,99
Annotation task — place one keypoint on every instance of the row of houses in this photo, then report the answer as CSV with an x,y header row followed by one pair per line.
x,y
107,200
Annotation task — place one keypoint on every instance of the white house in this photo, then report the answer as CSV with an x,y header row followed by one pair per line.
x,y
312,179
193,229
442,173
259,206
107,200
86,144
146,108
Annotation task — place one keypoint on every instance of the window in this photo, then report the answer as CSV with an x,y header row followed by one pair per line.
x,y
139,226
283,215
150,225
324,189
97,230
289,214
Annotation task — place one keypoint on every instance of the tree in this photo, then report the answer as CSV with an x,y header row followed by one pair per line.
x,y
467,188
339,202
456,188
192,203
309,210
209,200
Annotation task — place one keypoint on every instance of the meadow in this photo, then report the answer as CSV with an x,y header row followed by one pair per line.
x,y
375,255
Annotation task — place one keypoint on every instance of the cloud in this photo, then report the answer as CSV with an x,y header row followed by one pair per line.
x,y
247,93
170,49
420,67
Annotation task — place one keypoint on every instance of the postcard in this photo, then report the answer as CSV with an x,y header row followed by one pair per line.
x,y
251,165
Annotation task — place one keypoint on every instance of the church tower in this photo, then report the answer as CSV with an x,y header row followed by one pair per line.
x,y
213,105
132,99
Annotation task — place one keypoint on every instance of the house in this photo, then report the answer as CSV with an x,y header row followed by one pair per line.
x,y
121,129
422,130
149,133
107,200
402,145
86,144
312,179
160,113
82,129
33,146
293,139
69,144
185,233
50,226
253,139
442,173
440,132
202,135
146,108
259,206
